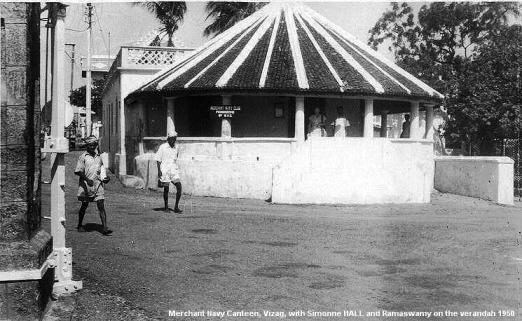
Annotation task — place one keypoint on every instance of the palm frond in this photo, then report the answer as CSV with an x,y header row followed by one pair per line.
x,y
227,14
169,14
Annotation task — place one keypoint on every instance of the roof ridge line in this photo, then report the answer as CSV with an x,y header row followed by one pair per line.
x,y
246,50
373,52
321,53
218,41
346,56
270,49
371,62
295,48
253,26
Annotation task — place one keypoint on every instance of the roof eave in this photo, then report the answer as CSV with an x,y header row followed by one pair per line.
x,y
279,92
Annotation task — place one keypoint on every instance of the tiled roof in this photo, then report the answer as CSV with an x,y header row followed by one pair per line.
x,y
288,48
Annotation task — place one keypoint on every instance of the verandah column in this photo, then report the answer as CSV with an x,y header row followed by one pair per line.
x,y
226,130
384,123
368,118
299,119
428,134
171,127
414,120
226,126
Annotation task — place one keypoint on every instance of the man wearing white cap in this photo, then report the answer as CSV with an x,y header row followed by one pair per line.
x,y
168,170
93,177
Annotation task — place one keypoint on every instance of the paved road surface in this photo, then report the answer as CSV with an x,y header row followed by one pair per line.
x,y
457,254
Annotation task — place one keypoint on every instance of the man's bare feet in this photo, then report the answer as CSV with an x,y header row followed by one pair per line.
x,y
107,232
178,210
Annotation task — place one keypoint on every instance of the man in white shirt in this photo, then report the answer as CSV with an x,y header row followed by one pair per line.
x,y
168,171
341,123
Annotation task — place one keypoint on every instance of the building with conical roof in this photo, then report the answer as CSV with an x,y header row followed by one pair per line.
x,y
256,106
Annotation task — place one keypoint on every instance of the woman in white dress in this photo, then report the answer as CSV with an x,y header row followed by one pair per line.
x,y
316,124
341,123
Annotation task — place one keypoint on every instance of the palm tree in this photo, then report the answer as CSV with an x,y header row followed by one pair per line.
x,y
169,14
226,14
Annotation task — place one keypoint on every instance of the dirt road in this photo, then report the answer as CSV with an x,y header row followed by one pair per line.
x,y
457,253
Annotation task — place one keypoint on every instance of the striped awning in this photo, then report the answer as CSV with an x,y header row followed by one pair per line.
x,y
288,48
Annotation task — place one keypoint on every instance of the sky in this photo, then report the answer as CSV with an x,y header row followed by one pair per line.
x,y
128,23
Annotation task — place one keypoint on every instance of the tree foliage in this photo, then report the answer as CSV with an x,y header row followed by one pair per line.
x,y
226,14
169,13
78,96
486,101
448,45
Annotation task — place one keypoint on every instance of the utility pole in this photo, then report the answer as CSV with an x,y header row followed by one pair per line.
x,y
72,64
77,129
88,122
109,49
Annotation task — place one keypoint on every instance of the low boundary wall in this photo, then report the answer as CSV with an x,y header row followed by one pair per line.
x,y
356,171
213,177
320,170
489,178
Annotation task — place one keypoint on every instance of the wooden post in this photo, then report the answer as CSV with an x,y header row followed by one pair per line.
x,y
299,119
414,120
428,134
368,118
384,123
171,126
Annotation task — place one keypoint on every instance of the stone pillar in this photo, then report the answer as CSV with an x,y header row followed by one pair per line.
x,y
428,134
414,120
171,127
226,124
384,123
368,118
24,245
299,119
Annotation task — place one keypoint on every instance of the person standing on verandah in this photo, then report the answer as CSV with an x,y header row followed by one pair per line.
x,y
317,123
168,170
341,123
406,127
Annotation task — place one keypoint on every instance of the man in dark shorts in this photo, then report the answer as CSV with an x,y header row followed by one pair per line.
x,y
93,176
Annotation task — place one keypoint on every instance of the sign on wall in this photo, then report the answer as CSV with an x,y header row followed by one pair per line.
x,y
225,111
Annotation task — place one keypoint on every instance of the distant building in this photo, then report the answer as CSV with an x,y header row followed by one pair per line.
x,y
134,65
100,66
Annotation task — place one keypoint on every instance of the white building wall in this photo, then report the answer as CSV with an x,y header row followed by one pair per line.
x,y
109,139
121,85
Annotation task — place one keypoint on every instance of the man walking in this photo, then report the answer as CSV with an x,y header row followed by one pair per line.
x,y
168,171
93,176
